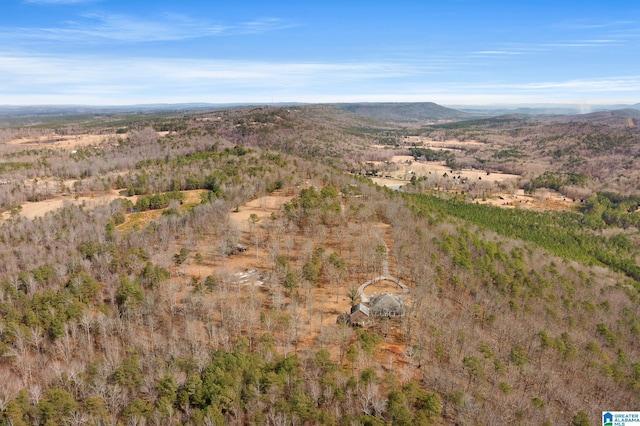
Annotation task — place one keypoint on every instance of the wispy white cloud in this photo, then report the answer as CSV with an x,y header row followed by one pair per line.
x,y
616,84
512,49
578,25
262,25
520,49
609,84
29,79
496,52
109,27
86,68
586,43
599,34
112,80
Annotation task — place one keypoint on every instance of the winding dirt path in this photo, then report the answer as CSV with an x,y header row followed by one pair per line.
x,y
364,298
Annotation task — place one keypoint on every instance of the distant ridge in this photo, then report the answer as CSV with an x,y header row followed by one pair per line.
x,y
27,115
622,106
622,117
45,110
407,112
541,109
523,110
399,112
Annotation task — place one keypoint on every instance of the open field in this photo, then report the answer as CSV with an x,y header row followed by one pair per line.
x,y
408,167
544,200
65,141
31,210
453,144
262,207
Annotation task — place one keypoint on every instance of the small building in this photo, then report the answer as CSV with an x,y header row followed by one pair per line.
x,y
359,315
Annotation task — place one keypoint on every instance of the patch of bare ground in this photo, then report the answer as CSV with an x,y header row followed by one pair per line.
x,y
383,286
262,207
406,168
65,141
418,141
31,210
424,168
544,200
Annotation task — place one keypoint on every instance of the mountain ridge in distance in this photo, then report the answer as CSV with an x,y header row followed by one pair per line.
x,y
541,109
406,111
388,111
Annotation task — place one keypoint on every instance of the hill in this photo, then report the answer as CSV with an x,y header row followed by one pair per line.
x,y
618,117
406,112
540,109
603,146
16,115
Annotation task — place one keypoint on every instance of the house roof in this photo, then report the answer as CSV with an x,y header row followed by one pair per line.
x,y
360,308
386,303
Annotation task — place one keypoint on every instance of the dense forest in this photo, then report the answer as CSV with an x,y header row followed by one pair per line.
x,y
192,268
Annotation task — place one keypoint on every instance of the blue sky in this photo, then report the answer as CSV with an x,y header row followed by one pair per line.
x,y
108,52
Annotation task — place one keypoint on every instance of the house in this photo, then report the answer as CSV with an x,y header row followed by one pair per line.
x,y
359,315
386,305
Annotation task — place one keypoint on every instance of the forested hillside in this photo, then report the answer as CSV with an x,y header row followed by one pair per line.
x,y
406,112
193,268
602,146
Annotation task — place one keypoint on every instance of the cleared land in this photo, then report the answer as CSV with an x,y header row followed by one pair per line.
x,y
65,141
262,207
407,167
40,208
